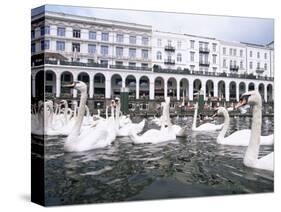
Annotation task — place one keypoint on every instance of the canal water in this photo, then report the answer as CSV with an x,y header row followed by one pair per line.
x,y
188,167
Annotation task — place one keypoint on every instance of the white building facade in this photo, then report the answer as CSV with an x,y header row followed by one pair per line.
x,y
109,55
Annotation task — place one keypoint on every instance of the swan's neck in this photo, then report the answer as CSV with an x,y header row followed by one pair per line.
x,y
225,127
194,118
81,112
87,111
65,112
252,151
106,113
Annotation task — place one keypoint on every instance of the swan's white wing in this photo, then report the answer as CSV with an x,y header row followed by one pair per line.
x,y
266,162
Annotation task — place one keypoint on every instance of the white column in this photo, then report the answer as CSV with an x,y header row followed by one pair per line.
x,y
137,88
165,88
123,82
91,84
107,88
265,93
216,89
204,89
151,89
227,91
33,87
58,86
75,78
190,91
178,90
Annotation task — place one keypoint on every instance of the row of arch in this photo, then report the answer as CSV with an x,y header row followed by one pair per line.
x,y
142,89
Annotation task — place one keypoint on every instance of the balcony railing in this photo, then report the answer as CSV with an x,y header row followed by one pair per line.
x,y
234,68
170,48
204,50
204,63
212,74
130,67
259,70
169,62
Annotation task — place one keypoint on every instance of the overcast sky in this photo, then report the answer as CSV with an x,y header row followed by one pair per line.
x,y
252,30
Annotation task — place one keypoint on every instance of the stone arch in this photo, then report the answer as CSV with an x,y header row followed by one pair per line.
x,y
221,89
172,87
130,82
261,91
251,86
84,77
66,77
209,88
116,85
232,91
159,87
144,87
242,88
197,85
269,90
184,87
99,85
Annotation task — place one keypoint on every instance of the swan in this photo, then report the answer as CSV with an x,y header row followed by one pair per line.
x,y
166,133
238,138
251,156
93,137
206,126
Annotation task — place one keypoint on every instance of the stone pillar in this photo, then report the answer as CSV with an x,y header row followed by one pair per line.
x,y
237,92
227,91
151,89
178,90
33,87
137,88
265,93
91,84
216,94
58,86
190,91
123,83
204,89
107,88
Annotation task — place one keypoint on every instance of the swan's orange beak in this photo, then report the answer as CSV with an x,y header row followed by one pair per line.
x,y
241,103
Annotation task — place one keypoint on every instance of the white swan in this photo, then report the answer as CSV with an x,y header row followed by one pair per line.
x,y
166,133
251,157
238,138
206,126
90,138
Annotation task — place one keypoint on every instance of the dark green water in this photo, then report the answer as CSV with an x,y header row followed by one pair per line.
x,y
189,167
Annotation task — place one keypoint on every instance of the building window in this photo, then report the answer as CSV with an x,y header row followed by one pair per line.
x,y
132,64
192,42
251,65
61,31
104,62
92,35
118,63
169,43
179,44
144,53
265,56
234,63
76,33
104,36
104,50
91,48
230,63
144,40
214,59
224,50
179,57
44,30
119,51
258,65
33,48
120,38
234,52
144,65
159,42
60,46
192,67
265,66
132,53
214,69
214,47
192,55
45,44
241,64
224,63
32,34
133,39
230,51
241,53
251,54
258,55
159,56
76,47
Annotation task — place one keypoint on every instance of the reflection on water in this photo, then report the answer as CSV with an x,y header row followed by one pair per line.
x,y
188,167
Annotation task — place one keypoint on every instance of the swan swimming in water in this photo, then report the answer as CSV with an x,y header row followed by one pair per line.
x,y
166,133
238,138
91,138
206,126
251,157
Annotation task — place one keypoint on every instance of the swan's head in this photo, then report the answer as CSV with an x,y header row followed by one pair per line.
x,y
168,99
250,98
79,85
219,111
